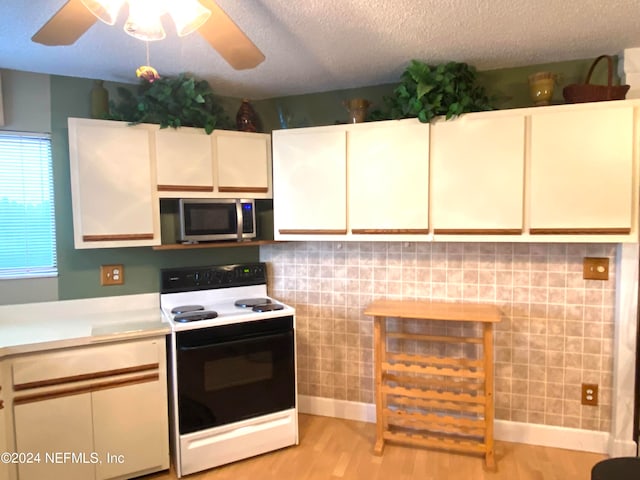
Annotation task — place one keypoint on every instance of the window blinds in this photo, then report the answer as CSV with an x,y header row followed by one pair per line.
x,y
27,217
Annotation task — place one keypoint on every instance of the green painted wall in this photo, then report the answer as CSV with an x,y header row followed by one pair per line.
x,y
79,269
509,88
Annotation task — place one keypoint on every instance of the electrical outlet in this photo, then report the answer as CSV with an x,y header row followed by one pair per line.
x,y
111,275
590,394
594,268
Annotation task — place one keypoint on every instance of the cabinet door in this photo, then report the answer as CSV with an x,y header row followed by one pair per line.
x,y
131,429
243,163
389,178
111,185
477,172
184,160
310,182
56,427
582,170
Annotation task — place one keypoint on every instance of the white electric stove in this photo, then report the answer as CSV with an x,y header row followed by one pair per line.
x,y
232,365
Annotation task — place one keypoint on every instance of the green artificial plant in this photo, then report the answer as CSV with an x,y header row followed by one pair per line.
x,y
427,91
174,102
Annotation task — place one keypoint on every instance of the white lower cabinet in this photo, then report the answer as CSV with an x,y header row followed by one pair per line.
x,y
95,412
50,429
127,434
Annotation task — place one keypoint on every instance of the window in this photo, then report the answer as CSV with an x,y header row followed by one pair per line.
x,y
27,221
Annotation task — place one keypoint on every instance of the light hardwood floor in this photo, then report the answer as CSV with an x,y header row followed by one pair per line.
x,y
332,448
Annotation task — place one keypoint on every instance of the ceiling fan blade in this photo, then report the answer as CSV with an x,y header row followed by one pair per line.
x,y
66,26
227,38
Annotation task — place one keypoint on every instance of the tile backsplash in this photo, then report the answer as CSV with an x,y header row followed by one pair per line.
x,y
556,333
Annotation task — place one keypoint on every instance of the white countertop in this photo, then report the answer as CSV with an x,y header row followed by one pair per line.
x,y
33,327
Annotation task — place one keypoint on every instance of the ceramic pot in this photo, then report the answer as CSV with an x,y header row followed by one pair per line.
x,y
357,108
541,86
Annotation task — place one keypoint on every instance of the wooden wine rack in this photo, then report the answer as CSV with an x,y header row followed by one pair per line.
x,y
435,401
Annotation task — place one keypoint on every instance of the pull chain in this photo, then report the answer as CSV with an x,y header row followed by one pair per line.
x,y
147,72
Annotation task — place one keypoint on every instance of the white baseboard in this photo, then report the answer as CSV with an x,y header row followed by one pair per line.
x,y
517,432
330,407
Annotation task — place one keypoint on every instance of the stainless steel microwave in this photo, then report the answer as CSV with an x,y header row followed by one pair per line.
x,y
207,220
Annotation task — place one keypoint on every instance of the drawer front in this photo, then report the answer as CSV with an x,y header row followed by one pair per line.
x,y
85,363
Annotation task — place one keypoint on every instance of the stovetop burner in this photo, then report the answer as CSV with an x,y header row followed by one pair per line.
x,y
268,307
251,302
194,316
186,308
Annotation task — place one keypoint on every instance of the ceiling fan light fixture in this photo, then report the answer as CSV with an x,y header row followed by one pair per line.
x,y
105,10
188,15
144,20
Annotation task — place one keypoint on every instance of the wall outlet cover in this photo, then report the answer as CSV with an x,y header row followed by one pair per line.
x,y
111,275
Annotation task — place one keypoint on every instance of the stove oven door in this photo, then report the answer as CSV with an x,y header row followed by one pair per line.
x,y
234,372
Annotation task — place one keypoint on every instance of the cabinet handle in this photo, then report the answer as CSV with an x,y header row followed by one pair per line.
x,y
312,232
92,387
243,189
479,231
121,237
392,231
86,376
184,188
1,404
579,231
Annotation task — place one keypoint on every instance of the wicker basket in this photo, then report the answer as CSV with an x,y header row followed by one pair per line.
x,y
585,92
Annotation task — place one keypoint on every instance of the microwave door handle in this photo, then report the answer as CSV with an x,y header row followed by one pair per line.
x,y
240,221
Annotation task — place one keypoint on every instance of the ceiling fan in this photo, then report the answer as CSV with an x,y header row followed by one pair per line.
x,y
74,19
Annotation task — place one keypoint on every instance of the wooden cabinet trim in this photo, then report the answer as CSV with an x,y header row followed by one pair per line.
x,y
185,188
118,237
390,231
312,232
243,189
483,231
579,231
93,387
87,376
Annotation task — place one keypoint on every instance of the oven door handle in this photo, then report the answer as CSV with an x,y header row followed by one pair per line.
x,y
247,339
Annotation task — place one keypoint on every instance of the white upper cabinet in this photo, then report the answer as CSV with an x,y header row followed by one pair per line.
x,y
359,181
582,169
477,171
183,160
243,162
310,182
114,203
388,165
225,164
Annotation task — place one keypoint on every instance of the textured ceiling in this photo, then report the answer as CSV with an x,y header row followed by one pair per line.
x,y
320,45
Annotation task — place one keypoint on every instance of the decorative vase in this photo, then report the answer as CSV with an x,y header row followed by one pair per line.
x,y
246,118
99,100
541,87
357,108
